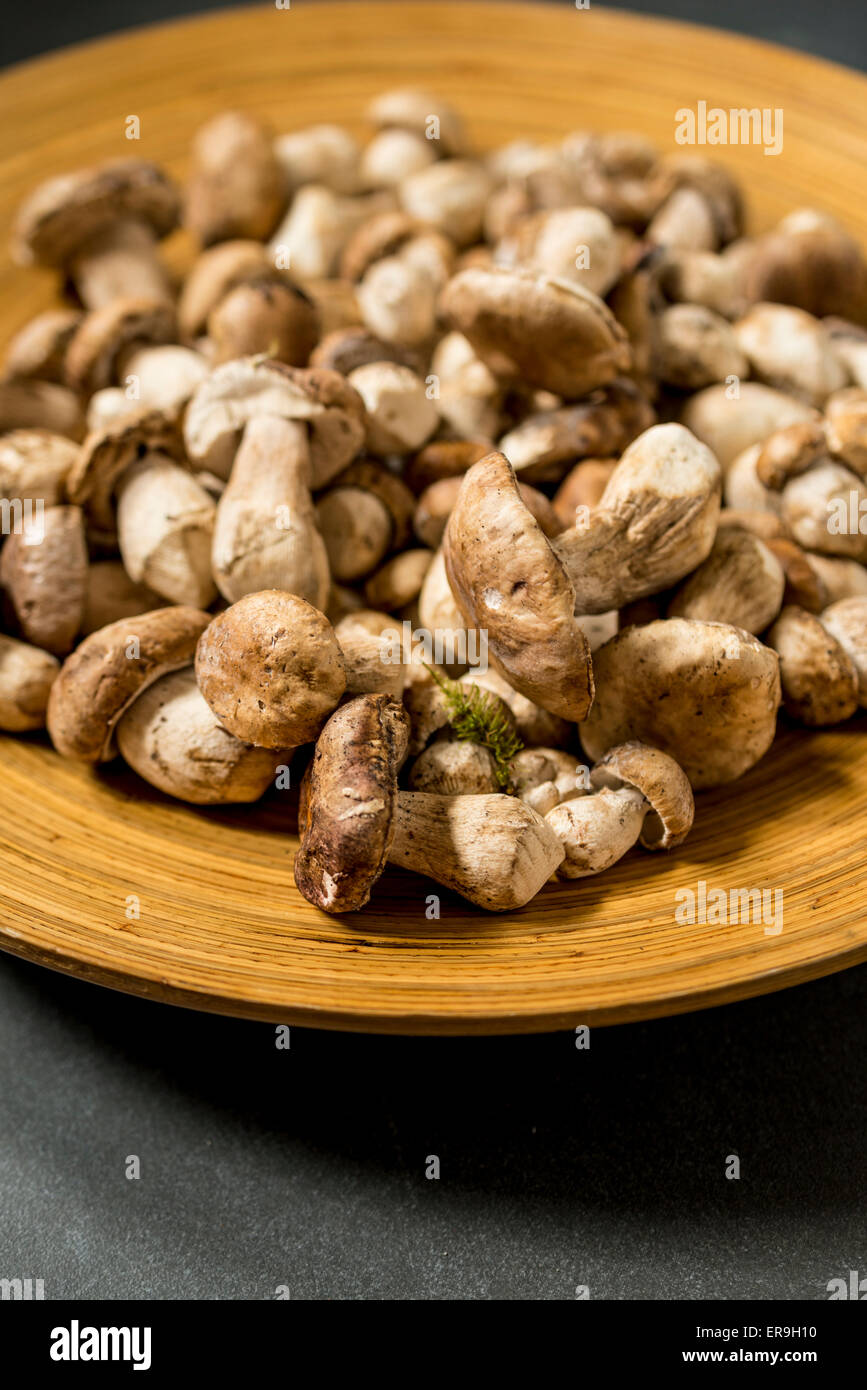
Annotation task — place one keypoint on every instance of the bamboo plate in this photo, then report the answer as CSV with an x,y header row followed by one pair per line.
x,y
220,925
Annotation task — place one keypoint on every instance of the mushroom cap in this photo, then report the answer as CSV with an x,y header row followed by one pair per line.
x,y
344,349
507,580
238,186
348,798
846,620
730,424
819,680
63,213
103,334
238,391
109,669
215,272
47,582
410,108
35,464
106,454
741,582
26,676
33,405
39,348
705,693
662,783
271,669
172,739
270,315
454,767
551,333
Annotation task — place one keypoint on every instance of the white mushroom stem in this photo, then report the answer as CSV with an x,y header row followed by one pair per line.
x,y
165,523
493,849
266,535
595,831
122,261
171,738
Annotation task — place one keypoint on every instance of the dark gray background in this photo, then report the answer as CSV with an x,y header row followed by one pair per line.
x,y
306,1168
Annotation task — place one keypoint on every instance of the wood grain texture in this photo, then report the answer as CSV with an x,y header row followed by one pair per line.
x,y
222,926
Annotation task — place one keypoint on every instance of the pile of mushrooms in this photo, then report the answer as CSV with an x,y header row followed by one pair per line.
x,y
411,401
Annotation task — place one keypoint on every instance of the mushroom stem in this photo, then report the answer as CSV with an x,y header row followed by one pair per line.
x,y
266,535
165,524
492,849
121,262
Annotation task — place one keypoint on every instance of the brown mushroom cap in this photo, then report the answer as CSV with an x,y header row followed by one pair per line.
x,y
705,693
47,582
26,677
819,680
506,579
271,669
217,271
238,391
172,739
39,348
741,582
661,781
550,333
268,315
35,405
92,358
348,797
61,215
107,453
237,187
109,669
344,349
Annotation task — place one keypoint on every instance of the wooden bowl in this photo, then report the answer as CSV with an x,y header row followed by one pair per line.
x,y
220,925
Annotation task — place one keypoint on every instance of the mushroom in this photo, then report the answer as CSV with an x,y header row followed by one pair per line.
x,y
269,315
271,669
705,693
101,344
508,581
820,683
164,517
809,261
696,347
545,777
40,405
317,227
392,155
454,767
400,266
639,792
400,414
171,738
449,195
112,596
34,466
101,227
353,346
846,621
38,350
109,669
398,582
422,113
546,441
26,676
363,514
300,428
45,578
550,333
729,420
741,583
789,349
582,489
369,658
470,396
215,273
494,850
237,186
577,243
535,726
325,154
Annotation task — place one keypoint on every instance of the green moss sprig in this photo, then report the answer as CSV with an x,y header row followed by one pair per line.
x,y
477,716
